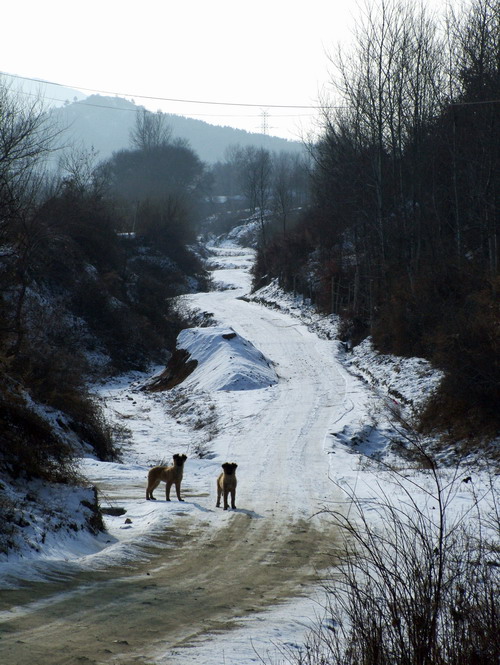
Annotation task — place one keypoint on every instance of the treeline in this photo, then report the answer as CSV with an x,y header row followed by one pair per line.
x,y
402,237
91,263
273,186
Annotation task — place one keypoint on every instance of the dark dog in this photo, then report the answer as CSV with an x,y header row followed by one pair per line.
x,y
226,484
171,475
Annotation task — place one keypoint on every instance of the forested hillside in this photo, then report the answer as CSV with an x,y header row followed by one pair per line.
x,y
402,239
104,123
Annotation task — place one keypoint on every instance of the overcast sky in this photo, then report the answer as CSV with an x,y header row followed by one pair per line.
x,y
265,53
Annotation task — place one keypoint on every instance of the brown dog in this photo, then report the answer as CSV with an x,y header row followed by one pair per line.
x,y
171,475
226,484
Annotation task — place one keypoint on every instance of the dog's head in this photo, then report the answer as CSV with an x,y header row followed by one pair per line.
x,y
179,459
229,467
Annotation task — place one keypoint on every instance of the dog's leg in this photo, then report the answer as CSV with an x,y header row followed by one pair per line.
x,y
149,492
168,485
226,505
233,499
219,492
178,489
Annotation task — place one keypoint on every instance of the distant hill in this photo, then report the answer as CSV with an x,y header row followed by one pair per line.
x,y
52,93
104,123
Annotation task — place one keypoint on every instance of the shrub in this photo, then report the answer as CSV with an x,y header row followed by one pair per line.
x,y
413,587
29,445
55,379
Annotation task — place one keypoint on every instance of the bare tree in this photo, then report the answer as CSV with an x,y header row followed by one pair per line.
x,y
284,186
391,83
255,169
475,66
151,130
81,170
262,169
26,137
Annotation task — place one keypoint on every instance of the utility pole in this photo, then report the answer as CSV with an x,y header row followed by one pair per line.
x,y
264,128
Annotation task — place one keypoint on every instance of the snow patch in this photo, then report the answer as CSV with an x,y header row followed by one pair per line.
x,y
226,361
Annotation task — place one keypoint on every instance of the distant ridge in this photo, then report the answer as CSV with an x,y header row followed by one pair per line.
x,y
104,123
52,93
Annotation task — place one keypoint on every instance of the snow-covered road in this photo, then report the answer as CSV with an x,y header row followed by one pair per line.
x,y
278,444
174,580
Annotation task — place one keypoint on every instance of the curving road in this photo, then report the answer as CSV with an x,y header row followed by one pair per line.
x,y
205,571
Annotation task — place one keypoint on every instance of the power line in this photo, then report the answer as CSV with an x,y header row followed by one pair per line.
x,y
213,103
169,99
83,102
484,101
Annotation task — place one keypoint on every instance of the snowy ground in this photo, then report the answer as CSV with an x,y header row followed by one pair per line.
x,y
275,392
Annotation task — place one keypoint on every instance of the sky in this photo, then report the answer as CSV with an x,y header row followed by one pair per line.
x,y
263,65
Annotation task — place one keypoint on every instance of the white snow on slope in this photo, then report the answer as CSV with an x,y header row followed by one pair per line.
x,y
226,361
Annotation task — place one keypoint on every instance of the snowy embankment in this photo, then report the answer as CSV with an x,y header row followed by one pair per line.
x,y
408,382
274,391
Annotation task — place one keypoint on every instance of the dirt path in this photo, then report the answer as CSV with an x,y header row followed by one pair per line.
x,y
207,569
201,583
